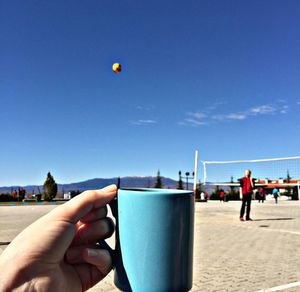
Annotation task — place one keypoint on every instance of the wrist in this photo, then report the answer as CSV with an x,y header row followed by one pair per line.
x,y
13,278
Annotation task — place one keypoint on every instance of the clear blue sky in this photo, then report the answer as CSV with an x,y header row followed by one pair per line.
x,y
220,76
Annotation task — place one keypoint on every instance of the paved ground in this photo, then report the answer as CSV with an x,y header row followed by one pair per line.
x,y
229,255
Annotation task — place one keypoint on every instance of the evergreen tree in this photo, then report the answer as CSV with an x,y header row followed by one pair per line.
x,y
50,187
180,183
232,188
233,193
288,180
217,190
288,177
215,195
158,184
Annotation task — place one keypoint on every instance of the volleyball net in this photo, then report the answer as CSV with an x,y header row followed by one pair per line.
x,y
276,172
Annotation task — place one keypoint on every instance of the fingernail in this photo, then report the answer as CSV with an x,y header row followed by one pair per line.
x,y
100,258
110,188
92,252
98,253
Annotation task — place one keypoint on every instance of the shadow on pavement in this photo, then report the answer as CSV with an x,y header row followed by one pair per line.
x,y
273,219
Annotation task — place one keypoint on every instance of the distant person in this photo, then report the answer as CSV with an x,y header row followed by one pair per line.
x,y
14,194
19,194
222,195
206,196
246,192
276,195
261,195
24,193
202,196
58,252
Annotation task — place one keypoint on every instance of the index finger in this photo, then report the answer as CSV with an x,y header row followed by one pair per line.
x,y
81,205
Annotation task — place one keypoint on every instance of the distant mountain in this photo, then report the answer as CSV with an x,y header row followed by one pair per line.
x,y
97,183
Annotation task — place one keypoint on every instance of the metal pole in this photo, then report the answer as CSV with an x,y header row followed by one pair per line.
x,y
196,173
187,174
204,173
119,183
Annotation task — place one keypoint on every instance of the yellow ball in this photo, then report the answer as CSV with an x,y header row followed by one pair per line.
x,y
117,68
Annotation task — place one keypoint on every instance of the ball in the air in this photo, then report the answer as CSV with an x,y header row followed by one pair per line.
x,y
117,68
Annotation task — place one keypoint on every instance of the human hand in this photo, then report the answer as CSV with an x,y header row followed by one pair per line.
x,y
58,252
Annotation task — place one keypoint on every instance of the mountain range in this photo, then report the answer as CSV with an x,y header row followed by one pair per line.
x,y
97,183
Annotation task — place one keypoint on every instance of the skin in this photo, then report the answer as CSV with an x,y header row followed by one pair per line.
x,y
58,252
247,173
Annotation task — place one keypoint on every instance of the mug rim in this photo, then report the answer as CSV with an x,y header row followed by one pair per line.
x,y
148,191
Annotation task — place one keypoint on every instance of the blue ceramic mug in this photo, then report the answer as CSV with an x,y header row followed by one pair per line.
x,y
154,240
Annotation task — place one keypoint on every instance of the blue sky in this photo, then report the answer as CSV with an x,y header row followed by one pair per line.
x,y
220,76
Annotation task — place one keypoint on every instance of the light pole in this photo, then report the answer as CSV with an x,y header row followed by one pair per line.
x,y
187,176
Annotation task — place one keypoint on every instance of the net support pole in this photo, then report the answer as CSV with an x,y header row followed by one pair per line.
x,y
204,174
195,174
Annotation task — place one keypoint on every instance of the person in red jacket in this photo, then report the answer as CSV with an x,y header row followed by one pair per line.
x,y
222,195
246,191
261,195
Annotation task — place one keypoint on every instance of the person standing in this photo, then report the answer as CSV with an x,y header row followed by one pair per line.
x,y
206,196
261,195
222,195
276,195
21,194
14,194
246,191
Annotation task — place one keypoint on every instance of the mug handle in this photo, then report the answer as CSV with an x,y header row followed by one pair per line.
x,y
102,243
120,276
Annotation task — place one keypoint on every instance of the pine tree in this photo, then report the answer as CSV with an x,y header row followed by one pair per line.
x,y
180,183
215,195
232,188
158,184
233,193
288,177
217,190
288,180
50,187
